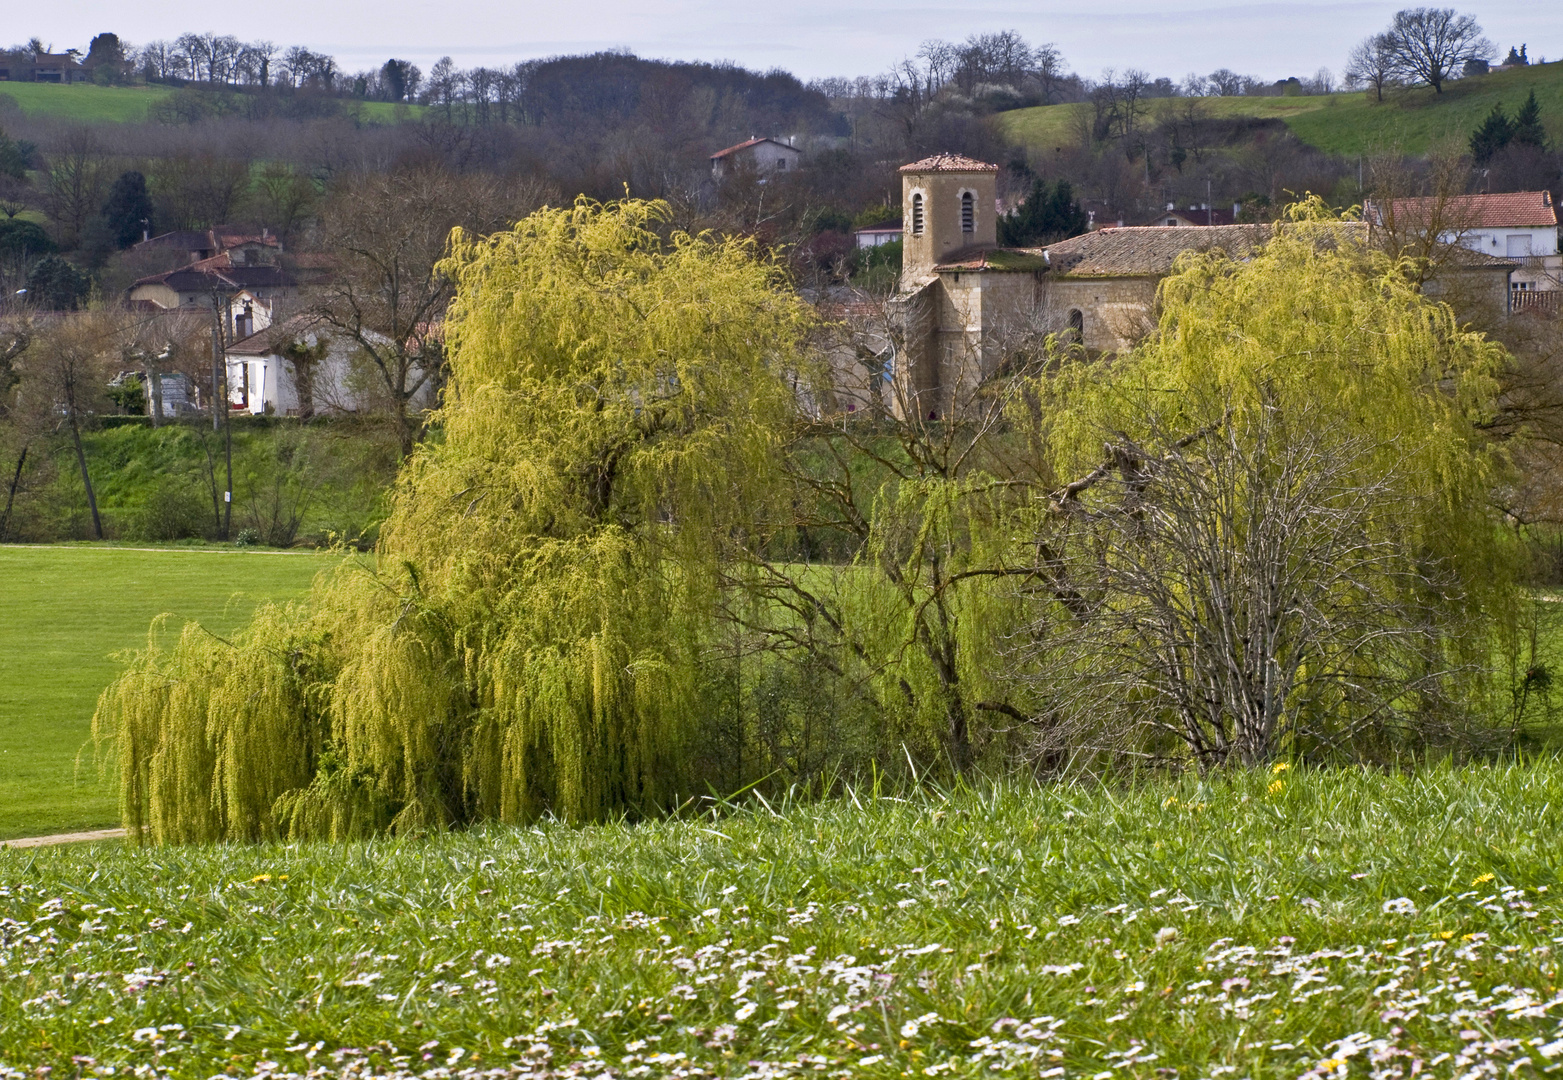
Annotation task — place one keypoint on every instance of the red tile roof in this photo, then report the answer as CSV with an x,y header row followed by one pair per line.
x,y
1508,210
948,163
747,144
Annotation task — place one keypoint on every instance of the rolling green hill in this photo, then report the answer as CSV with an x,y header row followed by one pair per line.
x,y
129,104
1411,121
92,104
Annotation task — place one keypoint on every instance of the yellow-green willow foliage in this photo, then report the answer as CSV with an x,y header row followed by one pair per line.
x,y
1318,345
528,639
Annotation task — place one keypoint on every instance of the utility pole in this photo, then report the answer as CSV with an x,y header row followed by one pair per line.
x,y
221,312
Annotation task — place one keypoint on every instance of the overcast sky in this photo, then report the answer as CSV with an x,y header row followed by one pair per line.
x,y
809,37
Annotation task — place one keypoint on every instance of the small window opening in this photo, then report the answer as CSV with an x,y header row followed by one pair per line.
x,y
917,215
1076,326
968,212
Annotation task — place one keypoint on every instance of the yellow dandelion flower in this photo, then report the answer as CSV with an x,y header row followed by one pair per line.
x,y
1277,786
1280,767
1481,879
259,878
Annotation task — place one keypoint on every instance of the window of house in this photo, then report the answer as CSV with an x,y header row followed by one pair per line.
x,y
781,163
917,214
968,212
1519,246
1076,325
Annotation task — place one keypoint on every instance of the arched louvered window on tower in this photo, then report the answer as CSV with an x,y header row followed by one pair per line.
x,y
968,212
917,214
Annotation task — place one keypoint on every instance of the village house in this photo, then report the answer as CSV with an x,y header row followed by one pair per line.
x,y
1203,214
758,155
21,66
874,235
1520,226
301,366
242,273
964,303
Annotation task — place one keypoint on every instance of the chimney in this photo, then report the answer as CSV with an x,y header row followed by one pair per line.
x,y
1237,208
1171,207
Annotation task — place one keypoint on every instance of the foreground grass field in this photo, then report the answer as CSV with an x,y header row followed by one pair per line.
x,y
1410,122
1268,925
64,612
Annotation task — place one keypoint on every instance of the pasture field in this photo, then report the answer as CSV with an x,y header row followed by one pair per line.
x,y
88,103
64,612
1281,923
1410,122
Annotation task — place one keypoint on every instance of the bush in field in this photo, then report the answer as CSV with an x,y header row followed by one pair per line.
x,y
172,510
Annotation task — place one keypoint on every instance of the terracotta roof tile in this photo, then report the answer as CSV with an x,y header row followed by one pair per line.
x,y
1148,250
751,142
1507,210
948,163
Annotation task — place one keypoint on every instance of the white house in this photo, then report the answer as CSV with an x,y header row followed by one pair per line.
x,y
874,235
1521,226
762,155
301,367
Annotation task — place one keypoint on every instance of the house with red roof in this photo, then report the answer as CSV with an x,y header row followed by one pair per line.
x,y
759,155
1521,226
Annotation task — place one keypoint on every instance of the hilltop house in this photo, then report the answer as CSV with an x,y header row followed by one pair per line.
x,y
760,155
1203,214
22,66
964,302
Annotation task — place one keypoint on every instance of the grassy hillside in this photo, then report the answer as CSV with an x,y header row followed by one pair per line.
x,y
124,104
66,611
86,103
1411,121
1263,925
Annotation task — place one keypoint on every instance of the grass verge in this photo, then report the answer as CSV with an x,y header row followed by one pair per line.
x,y
64,612
1273,924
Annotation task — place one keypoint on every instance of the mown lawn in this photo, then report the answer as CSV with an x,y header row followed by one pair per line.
x,y
1409,122
84,102
64,612
1277,924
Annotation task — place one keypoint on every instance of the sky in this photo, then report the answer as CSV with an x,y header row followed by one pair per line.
x,y
811,38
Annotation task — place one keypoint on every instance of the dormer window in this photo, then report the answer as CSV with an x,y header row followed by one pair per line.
x,y
917,214
968,212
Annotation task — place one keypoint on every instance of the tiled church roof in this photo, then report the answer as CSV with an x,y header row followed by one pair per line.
x,y
948,163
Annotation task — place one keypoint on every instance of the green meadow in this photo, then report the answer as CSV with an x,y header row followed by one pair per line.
x,y
65,611
1286,924
1407,121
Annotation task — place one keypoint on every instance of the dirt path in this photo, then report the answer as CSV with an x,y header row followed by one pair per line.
x,y
64,838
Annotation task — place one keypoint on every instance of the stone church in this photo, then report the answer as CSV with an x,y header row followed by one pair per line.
x,y
964,302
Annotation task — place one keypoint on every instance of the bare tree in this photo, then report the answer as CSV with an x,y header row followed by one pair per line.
x,y
67,364
77,182
1372,64
388,232
1430,45
1235,592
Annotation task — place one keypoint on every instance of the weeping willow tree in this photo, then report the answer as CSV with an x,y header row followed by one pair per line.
x,y
1280,538
530,636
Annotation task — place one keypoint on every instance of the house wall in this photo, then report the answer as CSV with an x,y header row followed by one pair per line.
x,y
342,384
941,192
766,157
161,295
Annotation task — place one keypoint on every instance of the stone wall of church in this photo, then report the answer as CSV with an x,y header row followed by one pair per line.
x,y
1114,313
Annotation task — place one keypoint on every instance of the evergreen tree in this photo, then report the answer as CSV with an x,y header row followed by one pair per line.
x,y
1495,133
1050,213
56,285
1527,129
128,210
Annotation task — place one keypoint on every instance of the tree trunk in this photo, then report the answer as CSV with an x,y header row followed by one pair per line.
x,y
86,480
10,495
155,377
